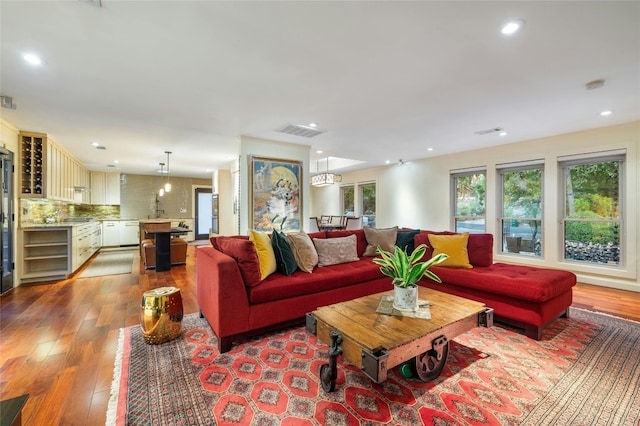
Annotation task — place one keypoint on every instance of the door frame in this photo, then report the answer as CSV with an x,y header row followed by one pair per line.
x,y
197,233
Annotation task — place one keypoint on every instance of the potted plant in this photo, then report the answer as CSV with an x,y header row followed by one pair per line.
x,y
405,270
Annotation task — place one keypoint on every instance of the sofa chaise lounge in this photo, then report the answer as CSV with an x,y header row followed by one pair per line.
x,y
522,296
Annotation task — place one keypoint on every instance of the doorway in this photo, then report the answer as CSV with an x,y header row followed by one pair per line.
x,y
6,215
203,213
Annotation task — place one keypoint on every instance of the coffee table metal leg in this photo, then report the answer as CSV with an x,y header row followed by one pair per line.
x,y
329,372
429,364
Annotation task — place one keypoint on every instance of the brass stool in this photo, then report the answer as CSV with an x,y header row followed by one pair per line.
x,y
161,315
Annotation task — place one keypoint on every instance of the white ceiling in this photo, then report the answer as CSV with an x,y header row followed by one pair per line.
x,y
387,80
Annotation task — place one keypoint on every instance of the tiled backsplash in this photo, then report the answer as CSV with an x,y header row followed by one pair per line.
x,y
138,195
34,211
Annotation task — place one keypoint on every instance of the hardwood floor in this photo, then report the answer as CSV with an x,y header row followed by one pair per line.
x,y
58,340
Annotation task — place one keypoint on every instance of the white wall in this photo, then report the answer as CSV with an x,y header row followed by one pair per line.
x,y
270,149
418,195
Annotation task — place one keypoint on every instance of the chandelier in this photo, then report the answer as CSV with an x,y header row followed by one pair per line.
x,y
326,178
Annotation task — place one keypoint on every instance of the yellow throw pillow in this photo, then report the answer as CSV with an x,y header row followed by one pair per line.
x,y
266,255
455,246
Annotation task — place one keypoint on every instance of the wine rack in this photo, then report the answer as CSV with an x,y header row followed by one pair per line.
x,y
32,164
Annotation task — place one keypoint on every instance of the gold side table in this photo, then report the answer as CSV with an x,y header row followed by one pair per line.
x,y
161,315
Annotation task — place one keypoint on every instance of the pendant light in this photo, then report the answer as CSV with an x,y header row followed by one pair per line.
x,y
326,178
161,192
167,186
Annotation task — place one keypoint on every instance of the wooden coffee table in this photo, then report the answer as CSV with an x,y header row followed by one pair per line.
x,y
375,343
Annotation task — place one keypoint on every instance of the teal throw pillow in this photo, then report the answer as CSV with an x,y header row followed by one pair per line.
x,y
404,240
285,260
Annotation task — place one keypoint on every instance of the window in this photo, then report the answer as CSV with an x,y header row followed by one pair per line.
x,y
347,193
367,194
522,209
469,212
592,209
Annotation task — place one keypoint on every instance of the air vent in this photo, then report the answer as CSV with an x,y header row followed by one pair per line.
x,y
487,131
101,147
299,130
7,102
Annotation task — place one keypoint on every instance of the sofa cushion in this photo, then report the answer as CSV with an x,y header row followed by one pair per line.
x,y
455,246
304,251
278,286
244,252
333,251
361,241
266,255
404,239
214,240
285,260
422,237
320,234
479,246
385,238
517,281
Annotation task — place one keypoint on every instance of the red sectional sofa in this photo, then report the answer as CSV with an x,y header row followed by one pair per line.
x,y
523,296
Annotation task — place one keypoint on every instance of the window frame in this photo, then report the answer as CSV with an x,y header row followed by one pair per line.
x,y
501,170
593,158
454,197
361,186
342,204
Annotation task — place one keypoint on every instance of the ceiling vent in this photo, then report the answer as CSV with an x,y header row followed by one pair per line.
x,y
487,131
7,102
299,130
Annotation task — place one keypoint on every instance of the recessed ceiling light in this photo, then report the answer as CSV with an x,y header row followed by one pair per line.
x,y
605,113
314,125
387,162
95,143
319,151
429,149
34,59
512,26
116,161
503,133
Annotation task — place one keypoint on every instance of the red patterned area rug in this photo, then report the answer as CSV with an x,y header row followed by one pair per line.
x,y
585,371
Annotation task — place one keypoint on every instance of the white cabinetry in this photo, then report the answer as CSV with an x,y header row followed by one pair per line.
x,y
120,232
110,233
65,178
45,254
84,242
105,188
129,230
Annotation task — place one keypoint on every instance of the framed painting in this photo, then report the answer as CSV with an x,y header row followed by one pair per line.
x,y
276,194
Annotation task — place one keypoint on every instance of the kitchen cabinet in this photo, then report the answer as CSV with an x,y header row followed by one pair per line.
x,y
32,164
110,233
45,254
120,232
48,171
105,188
84,242
129,232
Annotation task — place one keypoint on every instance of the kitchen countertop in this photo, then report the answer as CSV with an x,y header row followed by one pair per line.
x,y
55,224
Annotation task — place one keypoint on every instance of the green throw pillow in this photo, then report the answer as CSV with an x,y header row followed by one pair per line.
x,y
285,260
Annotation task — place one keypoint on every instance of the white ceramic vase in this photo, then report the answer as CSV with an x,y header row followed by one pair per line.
x,y
405,298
